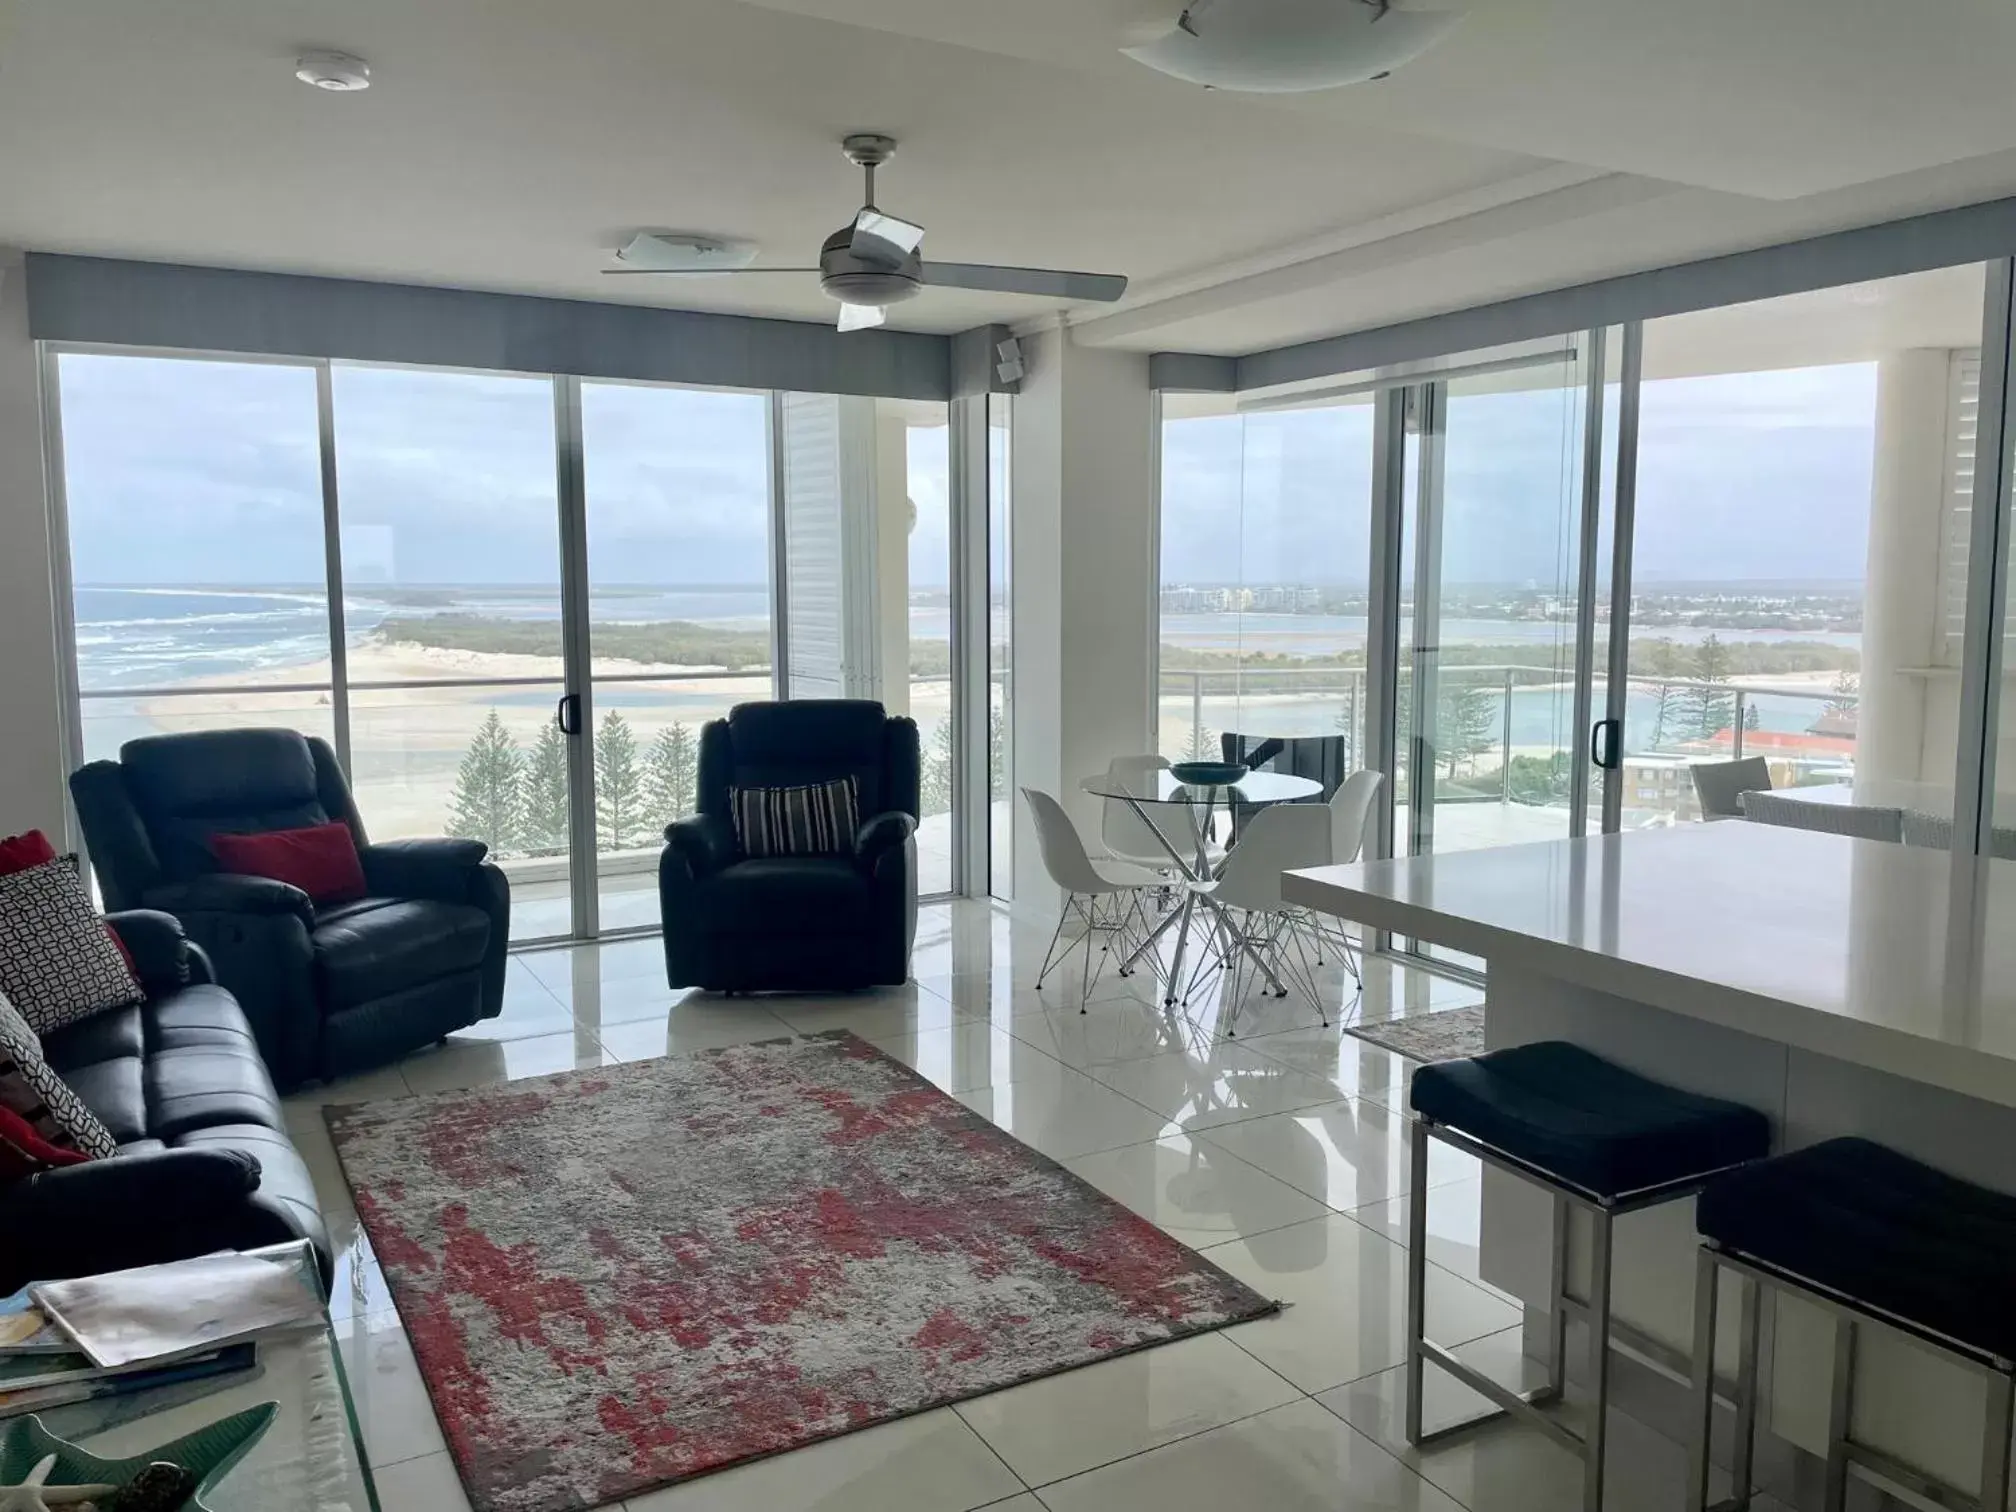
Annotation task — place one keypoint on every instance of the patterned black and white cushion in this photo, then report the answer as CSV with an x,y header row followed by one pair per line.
x,y
30,1088
57,962
819,820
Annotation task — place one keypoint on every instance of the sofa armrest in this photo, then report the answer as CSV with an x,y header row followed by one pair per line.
x,y
229,893
154,942
704,843
881,833
438,869
126,1194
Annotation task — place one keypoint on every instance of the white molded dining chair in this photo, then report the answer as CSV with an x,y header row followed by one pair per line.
x,y
1282,838
1350,809
1128,837
1105,897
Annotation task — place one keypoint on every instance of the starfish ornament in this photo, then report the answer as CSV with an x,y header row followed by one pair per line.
x,y
33,1495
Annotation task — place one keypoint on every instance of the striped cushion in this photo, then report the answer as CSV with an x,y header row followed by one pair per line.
x,y
31,1089
796,821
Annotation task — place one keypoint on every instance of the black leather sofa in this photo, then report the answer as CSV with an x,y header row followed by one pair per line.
x,y
796,923
205,1161
327,990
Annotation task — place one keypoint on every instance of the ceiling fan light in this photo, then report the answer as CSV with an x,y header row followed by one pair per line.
x,y
856,317
1290,46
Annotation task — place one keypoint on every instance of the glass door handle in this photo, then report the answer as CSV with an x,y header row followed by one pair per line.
x,y
567,714
1606,744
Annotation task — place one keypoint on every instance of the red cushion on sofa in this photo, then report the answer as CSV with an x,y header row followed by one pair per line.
x,y
19,852
24,1153
321,859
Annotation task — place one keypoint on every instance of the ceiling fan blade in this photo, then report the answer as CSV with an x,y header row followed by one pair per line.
x,y
855,317
1105,287
700,272
884,238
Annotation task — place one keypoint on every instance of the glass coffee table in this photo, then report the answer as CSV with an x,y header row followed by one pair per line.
x,y
310,1460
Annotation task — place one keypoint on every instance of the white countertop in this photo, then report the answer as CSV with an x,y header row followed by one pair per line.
x,y
1839,946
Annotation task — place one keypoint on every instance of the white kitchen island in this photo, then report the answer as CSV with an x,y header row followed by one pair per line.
x,y
1842,986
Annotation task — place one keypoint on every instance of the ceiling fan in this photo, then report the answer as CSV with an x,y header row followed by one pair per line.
x,y
877,259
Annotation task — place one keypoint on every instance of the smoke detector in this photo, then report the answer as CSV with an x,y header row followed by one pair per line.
x,y
337,72
1289,46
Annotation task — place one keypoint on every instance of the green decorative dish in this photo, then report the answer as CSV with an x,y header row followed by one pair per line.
x,y
208,1452
1207,773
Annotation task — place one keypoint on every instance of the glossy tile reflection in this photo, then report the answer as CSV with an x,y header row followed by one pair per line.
x,y
1279,1154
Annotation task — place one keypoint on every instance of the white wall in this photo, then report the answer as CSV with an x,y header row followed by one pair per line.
x,y
1083,578
31,746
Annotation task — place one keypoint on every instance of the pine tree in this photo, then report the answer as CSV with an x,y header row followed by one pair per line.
x,y
1665,708
1846,693
489,798
1753,718
997,754
934,790
670,771
1468,720
1711,709
1203,746
544,817
618,784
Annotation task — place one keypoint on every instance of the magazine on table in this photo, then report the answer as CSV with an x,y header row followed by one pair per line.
x,y
163,1313
84,1382
24,1330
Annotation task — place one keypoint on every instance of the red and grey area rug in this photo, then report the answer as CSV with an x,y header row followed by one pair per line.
x,y
621,1278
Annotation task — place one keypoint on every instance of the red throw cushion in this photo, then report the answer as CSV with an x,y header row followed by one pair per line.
x,y
19,852
321,860
25,1153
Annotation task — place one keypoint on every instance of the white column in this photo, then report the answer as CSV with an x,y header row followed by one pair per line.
x,y
31,742
1083,578
1905,727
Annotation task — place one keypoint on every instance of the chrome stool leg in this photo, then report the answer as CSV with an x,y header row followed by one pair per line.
x,y
1599,1363
1701,1416
1999,1422
1417,1270
1840,1417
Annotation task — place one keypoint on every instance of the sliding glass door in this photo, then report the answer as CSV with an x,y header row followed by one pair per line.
x,y
452,611
677,603
1492,554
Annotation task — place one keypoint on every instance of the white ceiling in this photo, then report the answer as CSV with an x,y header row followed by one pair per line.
x,y
507,144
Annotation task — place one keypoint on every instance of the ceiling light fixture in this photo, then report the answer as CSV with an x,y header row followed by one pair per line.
x,y
1289,46
338,72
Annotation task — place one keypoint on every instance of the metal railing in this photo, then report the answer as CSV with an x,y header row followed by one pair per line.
x,y
1345,688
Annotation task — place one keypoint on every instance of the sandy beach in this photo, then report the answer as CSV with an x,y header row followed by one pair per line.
x,y
407,741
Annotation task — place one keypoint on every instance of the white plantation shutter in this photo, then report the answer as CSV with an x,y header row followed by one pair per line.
x,y
1963,399
829,557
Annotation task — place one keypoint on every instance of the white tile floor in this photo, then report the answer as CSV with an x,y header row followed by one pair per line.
x,y
1280,1155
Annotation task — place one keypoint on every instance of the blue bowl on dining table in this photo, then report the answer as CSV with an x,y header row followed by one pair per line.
x,y
1207,773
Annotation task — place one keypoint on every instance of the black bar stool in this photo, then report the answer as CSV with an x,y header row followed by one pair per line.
x,y
1870,1236
1595,1137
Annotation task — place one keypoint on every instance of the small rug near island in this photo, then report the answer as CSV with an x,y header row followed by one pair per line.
x,y
1452,1034
617,1279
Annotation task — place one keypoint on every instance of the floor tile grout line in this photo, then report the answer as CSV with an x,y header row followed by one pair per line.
x,y
1020,1479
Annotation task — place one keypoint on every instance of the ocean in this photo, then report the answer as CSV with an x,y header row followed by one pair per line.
x,y
167,637
131,638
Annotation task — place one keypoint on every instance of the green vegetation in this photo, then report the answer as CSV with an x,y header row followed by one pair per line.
x,y
676,643
517,803
489,788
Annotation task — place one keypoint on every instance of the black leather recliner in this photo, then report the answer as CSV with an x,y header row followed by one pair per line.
x,y
328,990
205,1162
796,923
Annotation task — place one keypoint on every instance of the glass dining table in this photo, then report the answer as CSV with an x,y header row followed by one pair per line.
x,y
1167,806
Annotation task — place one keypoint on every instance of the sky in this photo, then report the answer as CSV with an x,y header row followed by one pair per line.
x,y
207,472
1742,476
